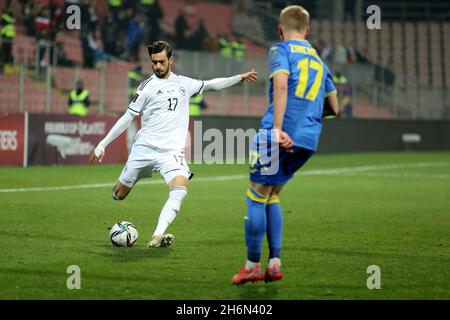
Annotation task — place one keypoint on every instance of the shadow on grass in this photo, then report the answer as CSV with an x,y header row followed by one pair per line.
x,y
133,254
366,254
43,236
105,249
251,291
50,275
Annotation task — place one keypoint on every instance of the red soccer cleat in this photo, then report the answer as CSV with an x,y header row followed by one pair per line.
x,y
246,275
273,274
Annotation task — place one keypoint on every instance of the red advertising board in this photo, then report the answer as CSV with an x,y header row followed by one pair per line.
x,y
66,139
12,138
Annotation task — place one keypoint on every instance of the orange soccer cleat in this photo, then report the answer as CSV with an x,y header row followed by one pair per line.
x,y
246,275
274,273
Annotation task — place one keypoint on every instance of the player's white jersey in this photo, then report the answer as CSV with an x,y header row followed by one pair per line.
x,y
164,104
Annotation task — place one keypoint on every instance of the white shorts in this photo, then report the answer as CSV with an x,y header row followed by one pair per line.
x,y
143,161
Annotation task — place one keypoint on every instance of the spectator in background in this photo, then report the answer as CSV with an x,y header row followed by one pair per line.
x,y
135,78
210,44
56,16
181,27
79,100
59,55
315,43
328,52
109,34
134,37
361,56
85,14
339,78
88,52
114,7
93,17
123,19
154,21
8,33
43,30
344,93
198,36
335,54
99,56
351,54
349,10
226,49
383,74
239,49
340,55
197,104
143,7
121,27
29,17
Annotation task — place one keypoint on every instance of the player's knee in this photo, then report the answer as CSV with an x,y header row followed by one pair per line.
x,y
274,198
176,196
178,193
274,195
276,190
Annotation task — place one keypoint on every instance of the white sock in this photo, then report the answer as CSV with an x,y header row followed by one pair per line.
x,y
272,261
170,209
250,265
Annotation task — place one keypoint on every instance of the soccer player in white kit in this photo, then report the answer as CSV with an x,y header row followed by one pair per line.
x,y
163,102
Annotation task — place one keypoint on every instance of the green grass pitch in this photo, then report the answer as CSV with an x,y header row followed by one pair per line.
x,y
386,209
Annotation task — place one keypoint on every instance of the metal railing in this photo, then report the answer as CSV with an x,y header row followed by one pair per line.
x,y
36,88
386,94
38,83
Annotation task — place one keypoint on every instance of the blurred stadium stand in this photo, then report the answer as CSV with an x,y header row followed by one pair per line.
x,y
399,71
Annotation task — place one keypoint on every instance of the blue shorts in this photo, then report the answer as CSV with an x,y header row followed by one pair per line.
x,y
273,165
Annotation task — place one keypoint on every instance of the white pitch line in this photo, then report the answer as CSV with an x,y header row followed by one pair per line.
x,y
398,175
376,168
331,171
111,184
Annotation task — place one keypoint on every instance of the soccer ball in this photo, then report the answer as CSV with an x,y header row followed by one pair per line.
x,y
123,234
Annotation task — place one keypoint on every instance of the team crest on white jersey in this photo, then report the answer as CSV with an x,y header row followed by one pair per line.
x,y
182,91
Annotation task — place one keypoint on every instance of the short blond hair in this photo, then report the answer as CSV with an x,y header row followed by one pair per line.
x,y
294,18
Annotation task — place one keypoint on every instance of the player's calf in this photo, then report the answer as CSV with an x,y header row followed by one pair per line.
x,y
120,191
170,209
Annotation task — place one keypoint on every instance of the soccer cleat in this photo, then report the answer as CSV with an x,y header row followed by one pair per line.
x,y
273,274
246,275
163,241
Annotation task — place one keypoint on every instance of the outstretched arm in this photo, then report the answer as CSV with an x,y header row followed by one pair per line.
x,y
121,125
222,83
331,106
